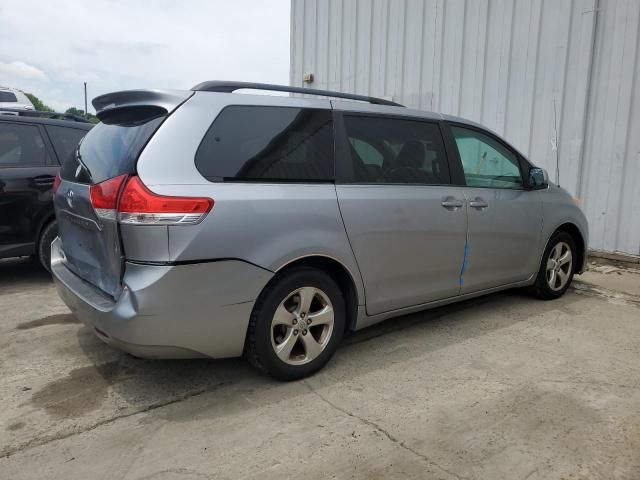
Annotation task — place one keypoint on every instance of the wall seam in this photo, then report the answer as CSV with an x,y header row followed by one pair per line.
x,y
627,131
442,37
535,78
484,64
292,43
424,23
509,62
370,48
464,21
586,123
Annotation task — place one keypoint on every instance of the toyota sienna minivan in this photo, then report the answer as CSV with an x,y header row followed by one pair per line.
x,y
208,223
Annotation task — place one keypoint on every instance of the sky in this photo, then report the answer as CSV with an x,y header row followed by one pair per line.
x,y
50,48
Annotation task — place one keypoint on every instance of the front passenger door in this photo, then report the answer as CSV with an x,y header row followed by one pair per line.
x,y
505,219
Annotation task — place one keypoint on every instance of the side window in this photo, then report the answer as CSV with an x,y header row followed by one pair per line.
x,y
8,96
65,140
393,150
268,143
21,146
485,161
367,152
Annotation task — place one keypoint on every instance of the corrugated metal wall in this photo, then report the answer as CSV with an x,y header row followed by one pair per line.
x,y
558,78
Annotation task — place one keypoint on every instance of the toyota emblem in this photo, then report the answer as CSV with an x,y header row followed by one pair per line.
x,y
70,198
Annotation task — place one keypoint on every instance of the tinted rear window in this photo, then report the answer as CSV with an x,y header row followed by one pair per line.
x,y
65,140
8,97
268,143
108,151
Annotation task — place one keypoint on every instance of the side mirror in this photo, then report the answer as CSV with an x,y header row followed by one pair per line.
x,y
538,178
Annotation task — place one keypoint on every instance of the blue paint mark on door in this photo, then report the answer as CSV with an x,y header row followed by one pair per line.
x,y
464,263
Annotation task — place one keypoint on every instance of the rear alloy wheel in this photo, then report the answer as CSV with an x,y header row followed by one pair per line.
x,y
557,267
302,326
296,325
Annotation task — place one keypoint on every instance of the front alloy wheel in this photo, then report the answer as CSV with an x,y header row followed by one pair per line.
x,y
559,266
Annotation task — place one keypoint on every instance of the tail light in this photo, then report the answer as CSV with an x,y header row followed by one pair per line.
x,y
136,204
104,197
56,183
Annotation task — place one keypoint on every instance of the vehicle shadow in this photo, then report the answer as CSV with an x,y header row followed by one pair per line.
x,y
144,385
22,272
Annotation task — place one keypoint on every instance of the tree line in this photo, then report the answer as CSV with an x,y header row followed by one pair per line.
x,y
43,107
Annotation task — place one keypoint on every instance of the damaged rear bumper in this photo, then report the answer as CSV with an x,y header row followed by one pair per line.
x,y
168,311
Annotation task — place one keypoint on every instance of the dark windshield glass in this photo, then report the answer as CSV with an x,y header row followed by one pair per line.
x,y
108,151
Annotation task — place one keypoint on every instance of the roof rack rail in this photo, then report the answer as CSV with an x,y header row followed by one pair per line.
x,y
229,87
38,113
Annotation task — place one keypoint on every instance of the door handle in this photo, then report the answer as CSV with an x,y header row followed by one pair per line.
x,y
451,203
478,203
43,180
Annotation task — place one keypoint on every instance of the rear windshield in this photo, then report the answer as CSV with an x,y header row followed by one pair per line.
x,y
108,150
8,97
268,143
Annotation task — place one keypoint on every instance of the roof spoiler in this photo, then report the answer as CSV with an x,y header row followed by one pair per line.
x,y
161,102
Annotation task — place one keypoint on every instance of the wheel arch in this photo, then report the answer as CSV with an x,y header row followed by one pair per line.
x,y
339,273
43,224
573,230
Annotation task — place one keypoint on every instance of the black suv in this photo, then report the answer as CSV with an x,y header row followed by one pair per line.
x,y
32,147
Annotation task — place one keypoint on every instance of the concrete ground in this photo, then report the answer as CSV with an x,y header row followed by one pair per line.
x,y
503,387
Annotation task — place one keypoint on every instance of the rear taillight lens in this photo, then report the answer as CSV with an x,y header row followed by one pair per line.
x,y
130,201
139,205
56,183
104,197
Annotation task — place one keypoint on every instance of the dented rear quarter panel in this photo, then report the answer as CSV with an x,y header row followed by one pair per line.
x,y
267,224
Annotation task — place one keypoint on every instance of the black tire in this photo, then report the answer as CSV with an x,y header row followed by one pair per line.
x,y
259,350
541,288
47,235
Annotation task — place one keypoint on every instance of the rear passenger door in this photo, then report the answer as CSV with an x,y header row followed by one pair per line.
x,y
505,219
405,220
26,176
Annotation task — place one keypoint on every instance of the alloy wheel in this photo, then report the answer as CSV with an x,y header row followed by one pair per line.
x,y
559,266
302,325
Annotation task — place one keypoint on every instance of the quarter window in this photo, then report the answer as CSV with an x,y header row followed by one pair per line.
x,y
485,161
268,143
21,146
393,150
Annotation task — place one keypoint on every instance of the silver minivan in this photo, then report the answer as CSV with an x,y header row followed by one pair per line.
x,y
212,223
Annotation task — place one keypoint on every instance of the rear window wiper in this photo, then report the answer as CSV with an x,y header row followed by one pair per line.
x,y
81,165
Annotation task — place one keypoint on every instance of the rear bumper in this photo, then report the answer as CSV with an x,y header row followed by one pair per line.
x,y
173,311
